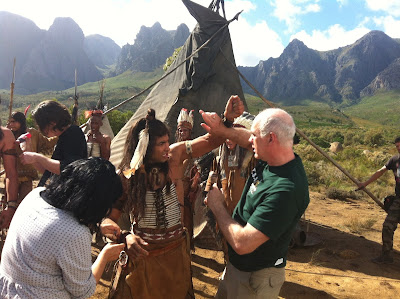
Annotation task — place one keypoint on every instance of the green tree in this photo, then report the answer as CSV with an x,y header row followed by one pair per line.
x,y
118,119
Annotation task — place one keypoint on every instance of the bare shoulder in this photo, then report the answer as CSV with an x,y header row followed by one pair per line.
x,y
8,139
176,151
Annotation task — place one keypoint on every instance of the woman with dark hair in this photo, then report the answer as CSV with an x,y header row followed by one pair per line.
x,y
152,172
50,235
37,143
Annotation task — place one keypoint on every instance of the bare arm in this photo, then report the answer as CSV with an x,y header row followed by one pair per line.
x,y
105,147
214,126
40,162
10,166
109,253
373,178
243,239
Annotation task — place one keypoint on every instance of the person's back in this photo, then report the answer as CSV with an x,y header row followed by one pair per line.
x,y
42,248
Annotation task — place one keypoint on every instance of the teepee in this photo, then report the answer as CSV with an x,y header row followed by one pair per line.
x,y
206,81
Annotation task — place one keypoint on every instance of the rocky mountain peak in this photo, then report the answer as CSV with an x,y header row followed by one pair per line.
x,y
67,31
151,47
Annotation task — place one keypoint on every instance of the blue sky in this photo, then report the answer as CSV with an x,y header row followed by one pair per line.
x,y
264,29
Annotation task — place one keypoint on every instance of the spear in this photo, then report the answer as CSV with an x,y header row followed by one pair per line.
x,y
75,108
12,91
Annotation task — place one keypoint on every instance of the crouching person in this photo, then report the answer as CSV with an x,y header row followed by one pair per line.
x,y
47,253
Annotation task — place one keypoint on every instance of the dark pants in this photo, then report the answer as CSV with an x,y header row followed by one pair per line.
x,y
389,226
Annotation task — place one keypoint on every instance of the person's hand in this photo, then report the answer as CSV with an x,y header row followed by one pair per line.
x,y
213,123
95,137
110,230
234,108
134,245
361,186
6,217
28,157
111,251
215,198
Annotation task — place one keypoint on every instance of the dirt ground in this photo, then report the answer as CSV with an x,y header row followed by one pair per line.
x,y
338,266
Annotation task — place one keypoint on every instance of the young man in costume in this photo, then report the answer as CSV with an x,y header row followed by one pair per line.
x,y
98,144
273,200
190,180
152,173
234,164
53,120
393,210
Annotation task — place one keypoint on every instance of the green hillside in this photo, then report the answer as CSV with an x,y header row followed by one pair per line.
x,y
377,113
117,89
382,108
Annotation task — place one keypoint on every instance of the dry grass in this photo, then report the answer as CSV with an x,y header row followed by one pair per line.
x,y
356,225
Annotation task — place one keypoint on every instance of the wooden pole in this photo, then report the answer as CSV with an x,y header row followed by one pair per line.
x,y
12,91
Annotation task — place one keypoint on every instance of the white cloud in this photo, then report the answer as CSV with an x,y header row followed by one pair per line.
x,y
254,43
390,25
332,38
391,7
288,10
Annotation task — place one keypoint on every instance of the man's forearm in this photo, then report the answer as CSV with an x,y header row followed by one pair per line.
x,y
229,227
49,164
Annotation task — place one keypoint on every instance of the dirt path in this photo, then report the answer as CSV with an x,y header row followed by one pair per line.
x,y
338,267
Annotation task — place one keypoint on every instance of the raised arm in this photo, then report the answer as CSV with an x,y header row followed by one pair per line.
x,y
214,126
195,148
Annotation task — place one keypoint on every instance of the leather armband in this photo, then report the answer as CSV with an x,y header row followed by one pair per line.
x,y
227,123
12,204
188,145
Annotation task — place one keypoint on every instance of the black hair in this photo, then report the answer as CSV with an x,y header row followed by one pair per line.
x,y
397,139
51,111
137,184
87,188
21,119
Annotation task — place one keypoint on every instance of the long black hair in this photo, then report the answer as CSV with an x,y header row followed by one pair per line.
x,y
137,184
87,188
21,119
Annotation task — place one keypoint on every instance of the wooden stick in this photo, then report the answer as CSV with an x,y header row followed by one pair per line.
x,y
12,91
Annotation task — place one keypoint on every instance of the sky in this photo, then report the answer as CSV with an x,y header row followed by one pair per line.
x,y
263,30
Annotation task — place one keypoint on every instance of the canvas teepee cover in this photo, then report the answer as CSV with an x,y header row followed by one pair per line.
x,y
206,81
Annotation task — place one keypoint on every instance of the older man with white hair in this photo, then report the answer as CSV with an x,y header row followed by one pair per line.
x,y
273,200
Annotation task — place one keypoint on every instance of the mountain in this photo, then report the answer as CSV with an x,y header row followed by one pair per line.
x,y
101,50
386,80
336,76
52,63
46,60
18,35
152,46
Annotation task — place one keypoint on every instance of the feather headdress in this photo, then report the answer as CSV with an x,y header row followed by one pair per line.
x,y
140,152
186,116
90,113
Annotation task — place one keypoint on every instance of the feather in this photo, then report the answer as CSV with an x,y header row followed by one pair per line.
x,y
140,152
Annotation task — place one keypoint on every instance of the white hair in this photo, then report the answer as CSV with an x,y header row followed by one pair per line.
x,y
277,121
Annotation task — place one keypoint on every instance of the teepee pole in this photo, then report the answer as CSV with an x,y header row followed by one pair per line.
x,y
354,180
